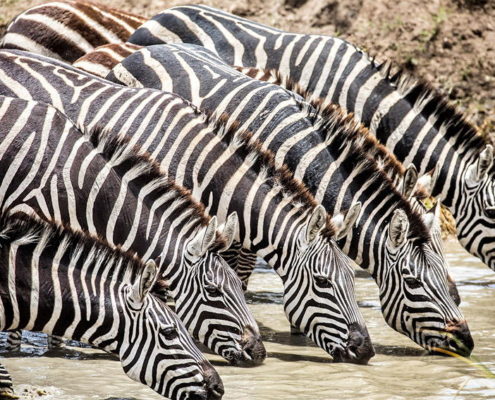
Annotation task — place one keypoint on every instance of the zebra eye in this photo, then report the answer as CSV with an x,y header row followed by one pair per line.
x,y
213,290
169,332
323,281
412,282
490,212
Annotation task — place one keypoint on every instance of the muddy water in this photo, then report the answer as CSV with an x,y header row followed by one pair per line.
x,y
295,369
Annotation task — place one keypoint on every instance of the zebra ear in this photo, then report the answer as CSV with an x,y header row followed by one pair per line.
x,y
146,280
428,180
316,223
398,228
409,181
230,229
432,218
478,170
204,239
344,223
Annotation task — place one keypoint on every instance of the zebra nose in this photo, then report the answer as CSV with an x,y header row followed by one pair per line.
x,y
460,339
359,349
454,293
213,382
253,349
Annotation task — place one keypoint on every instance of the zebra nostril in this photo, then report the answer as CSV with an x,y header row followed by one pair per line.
x,y
212,382
215,392
356,340
359,349
253,350
197,396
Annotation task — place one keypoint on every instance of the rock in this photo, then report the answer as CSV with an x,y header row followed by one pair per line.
x,y
447,44
294,3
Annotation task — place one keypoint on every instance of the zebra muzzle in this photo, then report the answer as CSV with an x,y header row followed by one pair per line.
x,y
253,350
358,350
459,338
212,383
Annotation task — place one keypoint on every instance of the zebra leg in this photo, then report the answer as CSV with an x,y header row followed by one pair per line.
x,y
6,389
14,339
295,331
54,342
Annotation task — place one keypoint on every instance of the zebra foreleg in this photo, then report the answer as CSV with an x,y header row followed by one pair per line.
x,y
6,388
14,339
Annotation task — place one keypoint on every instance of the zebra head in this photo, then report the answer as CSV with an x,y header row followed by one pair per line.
x,y
414,291
156,348
209,298
475,208
319,293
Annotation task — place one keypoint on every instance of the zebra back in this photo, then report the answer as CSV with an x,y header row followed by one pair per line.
x,y
66,29
412,119
101,60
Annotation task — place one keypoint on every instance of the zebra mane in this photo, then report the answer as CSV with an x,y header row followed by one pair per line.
x,y
263,163
417,91
319,107
341,129
26,228
119,149
345,132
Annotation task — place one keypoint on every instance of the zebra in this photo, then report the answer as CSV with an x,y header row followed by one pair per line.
x,y
99,63
278,219
329,158
99,186
412,119
65,282
66,30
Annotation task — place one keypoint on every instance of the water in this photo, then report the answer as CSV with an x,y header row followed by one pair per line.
x,y
295,369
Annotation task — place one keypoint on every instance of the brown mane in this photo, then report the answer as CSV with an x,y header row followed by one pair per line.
x,y
19,225
151,171
266,159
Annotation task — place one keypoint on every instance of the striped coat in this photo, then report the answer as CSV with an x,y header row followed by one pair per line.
x,y
278,219
330,153
62,282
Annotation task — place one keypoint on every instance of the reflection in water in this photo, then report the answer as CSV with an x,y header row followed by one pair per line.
x,y
295,368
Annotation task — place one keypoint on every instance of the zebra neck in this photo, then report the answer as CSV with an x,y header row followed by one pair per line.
x,y
365,242
79,297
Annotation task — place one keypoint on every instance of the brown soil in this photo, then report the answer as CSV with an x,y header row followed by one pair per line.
x,y
448,42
